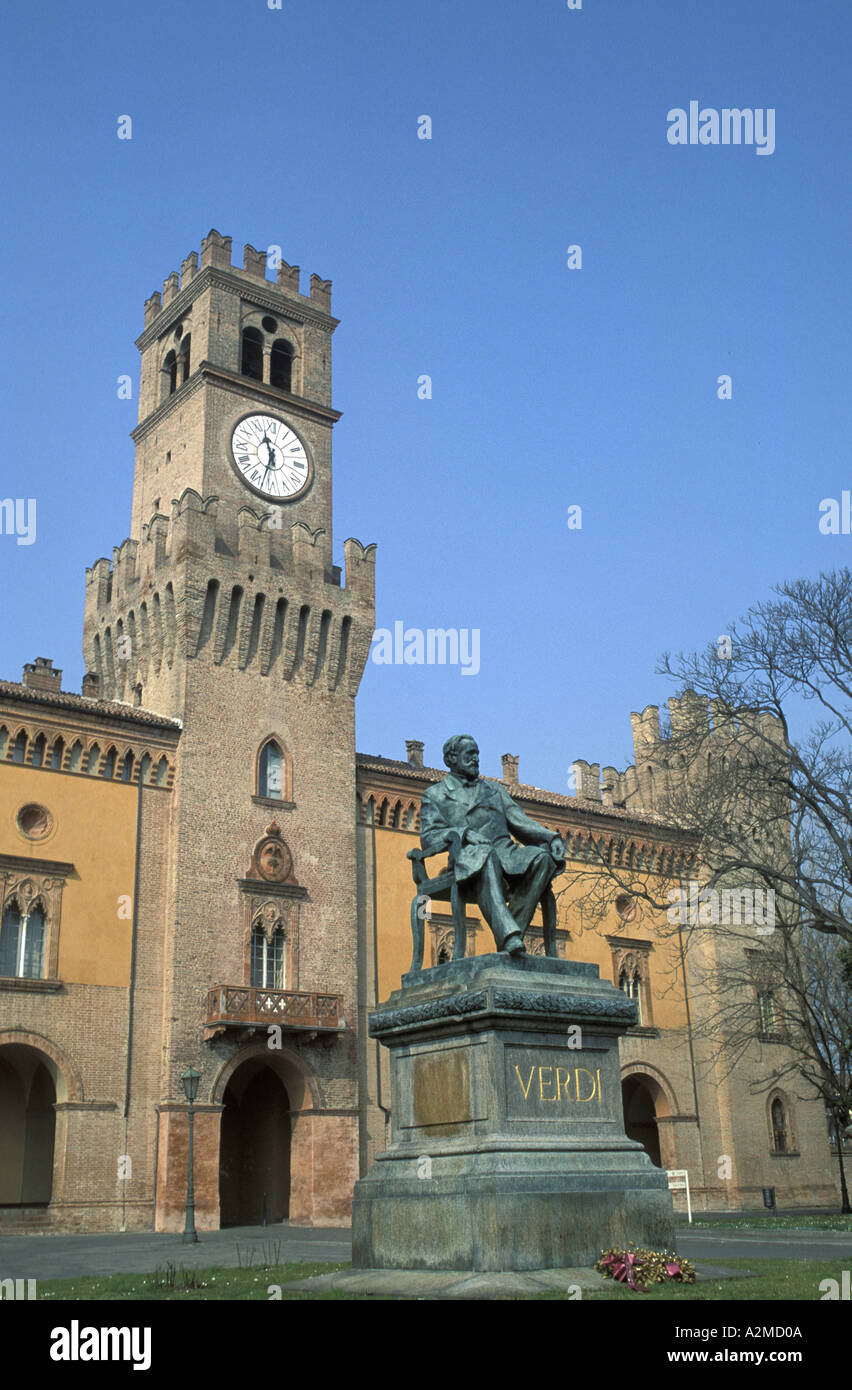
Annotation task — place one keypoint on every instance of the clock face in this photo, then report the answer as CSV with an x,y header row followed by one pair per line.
x,y
270,457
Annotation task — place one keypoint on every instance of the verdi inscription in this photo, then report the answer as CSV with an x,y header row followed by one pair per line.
x,y
540,1087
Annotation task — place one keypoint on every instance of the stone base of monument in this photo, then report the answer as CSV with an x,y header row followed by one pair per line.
x,y
508,1149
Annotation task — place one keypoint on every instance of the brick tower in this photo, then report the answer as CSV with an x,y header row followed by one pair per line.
x,y
224,610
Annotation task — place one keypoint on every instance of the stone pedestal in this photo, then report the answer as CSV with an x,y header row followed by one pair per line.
x,y
508,1149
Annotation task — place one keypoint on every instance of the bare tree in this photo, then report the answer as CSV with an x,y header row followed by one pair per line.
x,y
767,815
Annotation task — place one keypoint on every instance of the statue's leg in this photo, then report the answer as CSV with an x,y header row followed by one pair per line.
x,y
492,902
528,889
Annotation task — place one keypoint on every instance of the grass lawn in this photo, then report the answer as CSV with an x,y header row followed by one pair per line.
x,y
772,1280
768,1223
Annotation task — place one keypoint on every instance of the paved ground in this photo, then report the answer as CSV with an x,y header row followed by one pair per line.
x,y
769,1245
63,1257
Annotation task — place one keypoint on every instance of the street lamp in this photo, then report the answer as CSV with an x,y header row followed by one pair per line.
x,y
838,1116
189,1081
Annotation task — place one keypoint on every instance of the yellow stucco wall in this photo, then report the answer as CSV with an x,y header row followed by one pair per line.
x,y
94,828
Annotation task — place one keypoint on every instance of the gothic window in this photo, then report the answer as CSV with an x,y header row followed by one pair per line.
x,y
170,374
144,767
767,1011
127,767
183,359
252,354
780,1127
162,771
19,751
92,760
76,757
281,365
267,959
631,982
56,755
38,750
22,941
4,739
109,764
272,772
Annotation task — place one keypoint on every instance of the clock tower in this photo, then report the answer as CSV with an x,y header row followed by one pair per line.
x,y
223,609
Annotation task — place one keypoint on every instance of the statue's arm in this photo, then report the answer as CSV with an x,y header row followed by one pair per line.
x,y
524,828
435,831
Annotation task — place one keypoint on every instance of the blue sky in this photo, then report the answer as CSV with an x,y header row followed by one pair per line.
x,y
551,387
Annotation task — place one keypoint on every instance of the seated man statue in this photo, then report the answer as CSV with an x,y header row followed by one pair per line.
x,y
476,818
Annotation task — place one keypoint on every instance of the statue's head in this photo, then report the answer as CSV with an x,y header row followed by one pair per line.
x,y
461,755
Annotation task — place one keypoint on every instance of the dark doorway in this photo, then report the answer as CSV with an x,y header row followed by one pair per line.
x,y
254,1164
27,1127
640,1117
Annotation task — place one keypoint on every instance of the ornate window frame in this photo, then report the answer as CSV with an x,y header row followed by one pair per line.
x,y
271,899
633,956
37,881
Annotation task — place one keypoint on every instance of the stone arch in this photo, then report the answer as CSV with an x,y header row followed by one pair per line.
x,y
287,1063
66,1077
664,1094
649,1097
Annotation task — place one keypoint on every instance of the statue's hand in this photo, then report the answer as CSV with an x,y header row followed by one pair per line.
x,y
557,850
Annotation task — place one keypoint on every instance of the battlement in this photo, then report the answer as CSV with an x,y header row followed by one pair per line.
x,y
249,593
216,253
659,761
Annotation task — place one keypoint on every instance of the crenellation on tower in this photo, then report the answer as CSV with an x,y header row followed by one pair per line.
x,y
188,269
289,277
254,262
216,250
171,288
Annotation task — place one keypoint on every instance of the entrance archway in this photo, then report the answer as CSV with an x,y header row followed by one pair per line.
x,y
254,1156
640,1115
28,1125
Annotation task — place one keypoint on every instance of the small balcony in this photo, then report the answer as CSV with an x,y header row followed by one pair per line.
x,y
252,1007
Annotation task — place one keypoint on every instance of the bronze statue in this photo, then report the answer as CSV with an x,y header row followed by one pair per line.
x,y
475,820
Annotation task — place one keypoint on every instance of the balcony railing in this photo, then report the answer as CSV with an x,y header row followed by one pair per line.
x,y
250,1006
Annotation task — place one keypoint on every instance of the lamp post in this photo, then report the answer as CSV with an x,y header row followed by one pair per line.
x,y
838,1116
189,1081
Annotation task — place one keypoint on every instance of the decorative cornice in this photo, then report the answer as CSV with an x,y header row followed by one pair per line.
x,y
506,1003
241,385
20,864
266,888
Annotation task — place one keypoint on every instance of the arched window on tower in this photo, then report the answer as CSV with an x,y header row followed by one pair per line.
x,y
170,374
270,772
281,365
252,355
183,359
267,959
780,1127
